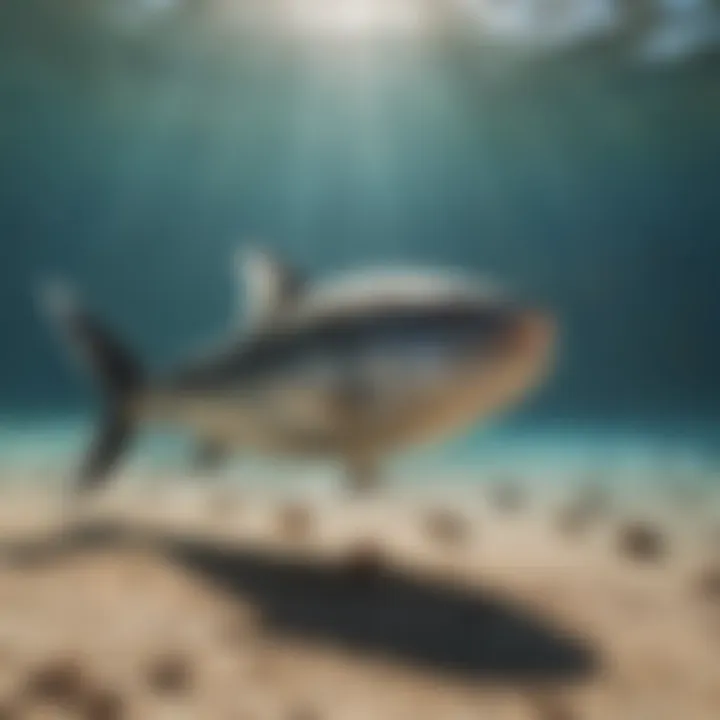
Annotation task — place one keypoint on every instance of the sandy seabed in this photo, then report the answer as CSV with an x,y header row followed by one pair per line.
x,y
178,600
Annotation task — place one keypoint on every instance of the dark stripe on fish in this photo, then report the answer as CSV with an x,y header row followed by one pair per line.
x,y
342,339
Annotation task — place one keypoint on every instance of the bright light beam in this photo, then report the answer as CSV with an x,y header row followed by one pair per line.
x,y
357,18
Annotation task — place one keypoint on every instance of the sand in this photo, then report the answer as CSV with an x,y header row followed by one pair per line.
x,y
189,601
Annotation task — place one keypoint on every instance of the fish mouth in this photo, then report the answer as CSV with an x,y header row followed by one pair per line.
x,y
533,336
526,351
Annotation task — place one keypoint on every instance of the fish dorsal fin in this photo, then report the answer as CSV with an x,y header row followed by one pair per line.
x,y
270,286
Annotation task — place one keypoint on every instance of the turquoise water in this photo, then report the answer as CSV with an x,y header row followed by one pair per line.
x,y
50,449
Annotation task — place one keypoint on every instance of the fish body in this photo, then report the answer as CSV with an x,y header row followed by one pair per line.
x,y
356,368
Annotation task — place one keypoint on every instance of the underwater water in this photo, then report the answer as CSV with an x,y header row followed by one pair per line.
x,y
138,151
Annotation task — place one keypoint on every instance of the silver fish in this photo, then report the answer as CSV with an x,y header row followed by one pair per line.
x,y
355,368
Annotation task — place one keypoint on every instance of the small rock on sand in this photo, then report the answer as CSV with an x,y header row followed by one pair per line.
x,y
447,527
60,681
295,521
103,705
643,541
708,583
170,674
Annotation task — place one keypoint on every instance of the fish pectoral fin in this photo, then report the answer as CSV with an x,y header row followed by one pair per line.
x,y
210,455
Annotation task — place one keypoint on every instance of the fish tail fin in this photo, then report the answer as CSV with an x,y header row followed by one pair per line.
x,y
117,372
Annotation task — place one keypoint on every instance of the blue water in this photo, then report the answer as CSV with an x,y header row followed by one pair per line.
x,y
134,158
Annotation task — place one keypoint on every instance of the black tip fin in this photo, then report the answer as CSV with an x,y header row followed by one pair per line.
x,y
115,368
112,438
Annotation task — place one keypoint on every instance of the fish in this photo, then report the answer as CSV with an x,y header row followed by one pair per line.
x,y
354,368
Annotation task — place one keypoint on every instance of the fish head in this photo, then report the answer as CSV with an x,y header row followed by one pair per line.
x,y
461,364
526,336
513,348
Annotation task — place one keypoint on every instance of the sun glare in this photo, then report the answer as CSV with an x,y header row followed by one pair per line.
x,y
357,17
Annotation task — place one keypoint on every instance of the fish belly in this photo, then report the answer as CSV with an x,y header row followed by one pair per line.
x,y
434,407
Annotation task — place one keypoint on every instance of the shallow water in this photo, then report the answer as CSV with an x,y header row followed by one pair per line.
x,y
50,448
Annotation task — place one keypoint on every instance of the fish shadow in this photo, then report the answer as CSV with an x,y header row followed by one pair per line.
x,y
390,612
394,614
